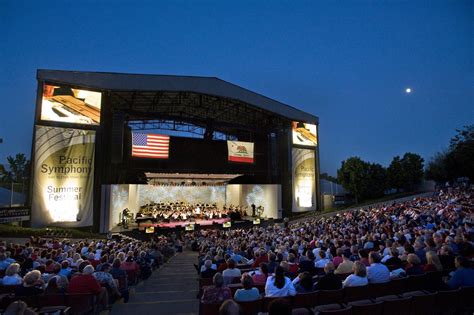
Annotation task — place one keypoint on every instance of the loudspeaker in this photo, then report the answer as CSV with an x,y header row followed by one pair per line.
x,y
118,124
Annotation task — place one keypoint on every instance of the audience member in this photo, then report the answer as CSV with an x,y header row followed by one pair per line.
x,y
12,276
414,265
464,274
432,262
32,284
229,307
329,281
249,292
231,272
260,276
278,285
346,265
377,272
208,271
303,283
216,293
358,278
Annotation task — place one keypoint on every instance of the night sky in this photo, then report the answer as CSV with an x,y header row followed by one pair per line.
x,y
347,62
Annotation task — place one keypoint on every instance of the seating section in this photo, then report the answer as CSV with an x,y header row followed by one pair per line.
x,y
394,297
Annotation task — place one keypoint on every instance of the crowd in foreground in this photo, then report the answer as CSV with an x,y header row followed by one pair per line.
x,y
102,267
352,248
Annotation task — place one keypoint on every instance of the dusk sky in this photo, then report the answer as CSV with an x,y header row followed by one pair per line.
x,y
347,62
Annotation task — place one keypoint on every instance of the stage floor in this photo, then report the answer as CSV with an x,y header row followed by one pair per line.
x,y
184,223
176,224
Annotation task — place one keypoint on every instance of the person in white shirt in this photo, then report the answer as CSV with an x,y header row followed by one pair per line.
x,y
316,252
231,272
377,272
98,253
278,285
358,278
322,260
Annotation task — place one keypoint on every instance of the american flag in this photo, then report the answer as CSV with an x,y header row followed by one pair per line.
x,y
150,146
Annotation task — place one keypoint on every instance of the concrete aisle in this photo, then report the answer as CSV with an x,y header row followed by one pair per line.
x,y
170,290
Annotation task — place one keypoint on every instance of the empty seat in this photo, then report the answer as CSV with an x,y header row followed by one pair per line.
x,y
416,282
334,309
447,302
379,289
467,299
398,285
363,307
356,293
422,302
330,296
52,300
268,300
209,309
394,305
306,300
81,303
434,281
250,308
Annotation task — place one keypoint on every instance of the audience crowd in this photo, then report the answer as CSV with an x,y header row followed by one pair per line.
x,y
103,267
352,248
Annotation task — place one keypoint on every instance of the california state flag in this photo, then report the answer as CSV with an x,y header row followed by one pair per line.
x,y
241,152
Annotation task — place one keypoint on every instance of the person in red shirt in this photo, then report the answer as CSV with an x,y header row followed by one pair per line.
x,y
131,268
292,265
92,260
261,258
85,283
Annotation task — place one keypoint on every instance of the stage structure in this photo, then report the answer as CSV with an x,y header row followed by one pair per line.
x,y
104,141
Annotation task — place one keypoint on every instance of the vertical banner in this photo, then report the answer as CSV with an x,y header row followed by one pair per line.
x,y
304,180
63,177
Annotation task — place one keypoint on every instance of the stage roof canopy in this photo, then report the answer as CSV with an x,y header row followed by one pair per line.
x,y
141,90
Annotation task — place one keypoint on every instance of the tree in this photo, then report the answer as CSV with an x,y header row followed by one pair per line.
x,y
395,174
437,168
377,180
405,173
461,157
354,177
412,167
457,160
18,169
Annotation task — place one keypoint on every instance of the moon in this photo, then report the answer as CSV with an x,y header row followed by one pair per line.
x,y
408,90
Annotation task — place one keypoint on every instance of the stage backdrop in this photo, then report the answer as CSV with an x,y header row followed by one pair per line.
x,y
267,196
63,177
118,197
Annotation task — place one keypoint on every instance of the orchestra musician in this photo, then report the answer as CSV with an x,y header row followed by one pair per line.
x,y
181,211
125,215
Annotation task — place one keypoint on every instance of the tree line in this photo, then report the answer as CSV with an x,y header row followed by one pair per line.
x,y
367,180
456,161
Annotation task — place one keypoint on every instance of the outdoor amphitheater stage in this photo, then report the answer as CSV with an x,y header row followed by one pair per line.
x,y
112,141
